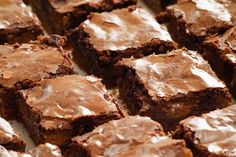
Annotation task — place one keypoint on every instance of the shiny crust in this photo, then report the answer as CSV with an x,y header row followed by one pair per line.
x,y
18,23
88,97
211,134
109,31
99,48
69,14
192,21
170,97
48,114
24,64
188,72
131,136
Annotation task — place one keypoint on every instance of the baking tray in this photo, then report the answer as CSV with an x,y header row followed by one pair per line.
x,y
21,129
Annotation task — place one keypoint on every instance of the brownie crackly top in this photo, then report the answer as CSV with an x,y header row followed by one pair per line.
x,y
15,14
226,43
178,72
33,61
70,97
117,31
130,136
115,137
216,131
202,17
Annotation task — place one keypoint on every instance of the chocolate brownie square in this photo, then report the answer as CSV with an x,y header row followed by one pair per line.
x,y
130,136
57,109
211,134
43,150
61,16
171,87
22,66
220,51
105,38
191,22
18,24
9,138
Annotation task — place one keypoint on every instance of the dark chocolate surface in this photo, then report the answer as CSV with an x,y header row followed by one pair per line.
x,y
123,29
178,72
87,97
202,17
214,132
14,14
131,136
17,20
32,61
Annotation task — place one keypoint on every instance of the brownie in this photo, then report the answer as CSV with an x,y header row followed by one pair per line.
x,y
105,38
131,136
57,109
17,22
191,22
22,66
220,51
171,87
43,150
212,134
9,138
62,16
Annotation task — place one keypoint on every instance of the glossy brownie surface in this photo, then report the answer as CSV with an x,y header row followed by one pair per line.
x,y
31,61
131,136
170,87
88,97
57,109
17,19
187,72
202,17
212,133
122,29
